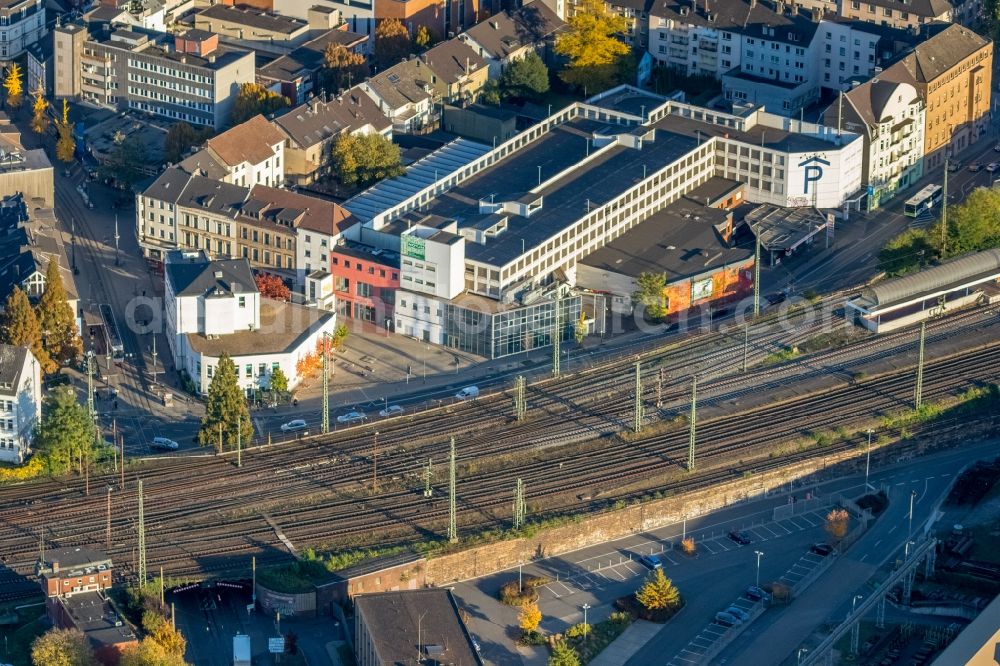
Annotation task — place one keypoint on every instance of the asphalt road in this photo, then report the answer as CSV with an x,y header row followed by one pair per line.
x,y
599,574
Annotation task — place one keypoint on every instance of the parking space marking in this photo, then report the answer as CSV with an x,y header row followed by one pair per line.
x,y
799,525
805,517
758,536
781,524
765,527
668,558
632,568
707,547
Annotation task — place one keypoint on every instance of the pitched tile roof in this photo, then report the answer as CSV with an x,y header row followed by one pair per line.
x,y
318,120
297,210
925,8
193,274
507,32
793,27
308,58
247,142
452,60
936,56
870,98
204,163
408,82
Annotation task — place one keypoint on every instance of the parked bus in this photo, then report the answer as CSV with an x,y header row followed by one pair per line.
x,y
114,336
923,201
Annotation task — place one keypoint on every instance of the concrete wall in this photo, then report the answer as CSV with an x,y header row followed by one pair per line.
x,y
287,604
34,183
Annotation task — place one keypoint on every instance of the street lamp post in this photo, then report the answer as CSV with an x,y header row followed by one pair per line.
x,y
798,658
520,587
913,495
868,458
586,627
759,554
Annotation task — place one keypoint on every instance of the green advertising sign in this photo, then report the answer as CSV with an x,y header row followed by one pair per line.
x,y
412,246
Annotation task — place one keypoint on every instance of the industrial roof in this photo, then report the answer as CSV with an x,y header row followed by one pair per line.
x,y
253,18
419,175
951,274
682,241
398,622
70,558
583,184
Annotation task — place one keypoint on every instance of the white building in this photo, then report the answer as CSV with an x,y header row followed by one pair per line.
x,y
22,23
20,402
252,153
890,117
213,308
431,269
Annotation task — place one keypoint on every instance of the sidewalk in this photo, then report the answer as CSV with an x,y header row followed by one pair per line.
x,y
631,641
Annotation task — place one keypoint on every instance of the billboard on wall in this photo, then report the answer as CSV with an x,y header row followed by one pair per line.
x,y
701,289
412,246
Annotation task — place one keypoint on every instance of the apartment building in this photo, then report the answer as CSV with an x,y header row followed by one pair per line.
x,y
636,14
890,116
311,128
251,153
952,72
416,13
295,75
22,23
458,68
188,77
20,402
407,94
897,13
253,29
509,36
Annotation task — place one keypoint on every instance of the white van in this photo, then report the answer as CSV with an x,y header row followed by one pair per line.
x,y
164,443
469,392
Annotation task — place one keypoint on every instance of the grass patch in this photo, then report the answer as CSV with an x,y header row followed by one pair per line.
x,y
302,575
830,340
20,637
590,641
780,356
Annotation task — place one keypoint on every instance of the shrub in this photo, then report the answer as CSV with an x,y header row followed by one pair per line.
x,y
688,546
512,596
578,631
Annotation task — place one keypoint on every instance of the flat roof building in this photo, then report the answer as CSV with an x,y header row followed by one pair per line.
x,y
398,627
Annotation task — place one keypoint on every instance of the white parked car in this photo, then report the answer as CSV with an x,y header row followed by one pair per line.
x,y
391,410
468,393
351,417
164,443
294,426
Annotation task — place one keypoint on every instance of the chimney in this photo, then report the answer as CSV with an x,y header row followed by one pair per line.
x,y
55,566
218,275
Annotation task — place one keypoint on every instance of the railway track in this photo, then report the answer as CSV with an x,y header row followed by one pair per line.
x,y
192,518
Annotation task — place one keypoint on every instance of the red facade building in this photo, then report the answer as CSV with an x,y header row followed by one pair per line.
x,y
365,280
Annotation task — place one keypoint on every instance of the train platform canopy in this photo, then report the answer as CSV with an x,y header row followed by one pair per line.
x,y
783,230
953,284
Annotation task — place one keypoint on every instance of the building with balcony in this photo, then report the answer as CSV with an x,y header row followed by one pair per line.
x,y
890,117
189,76
952,72
458,68
408,94
20,402
509,36
22,23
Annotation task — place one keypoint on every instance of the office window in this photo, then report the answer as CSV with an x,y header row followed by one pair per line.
x,y
248,370
243,301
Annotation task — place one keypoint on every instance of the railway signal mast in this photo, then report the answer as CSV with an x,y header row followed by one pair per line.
x,y
519,507
519,407
556,335
325,426
428,477
637,417
142,540
452,523
693,420
918,393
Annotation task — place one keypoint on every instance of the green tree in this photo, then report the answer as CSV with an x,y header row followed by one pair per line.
x,y
226,407
66,144
180,138
580,331
20,327
39,113
491,93
907,252
66,433
650,292
591,45
422,39
171,640
972,224
339,335
525,79
563,655
14,85
658,592
342,68
253,99
279,382
57,319
363,159
62,647
125,161
148,652
392,43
